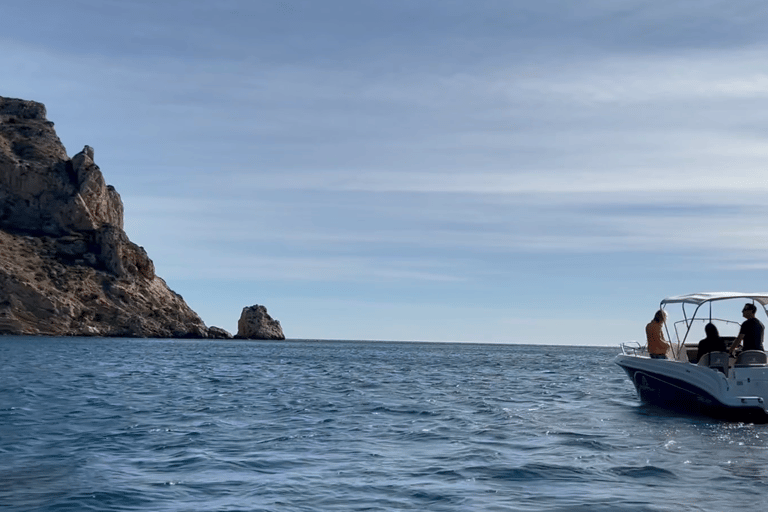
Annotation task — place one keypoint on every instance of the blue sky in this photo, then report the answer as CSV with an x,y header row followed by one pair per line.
x,y
490,171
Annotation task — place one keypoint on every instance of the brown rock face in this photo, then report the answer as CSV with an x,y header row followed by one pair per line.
x,y
218,333
66,265
256,324
41,189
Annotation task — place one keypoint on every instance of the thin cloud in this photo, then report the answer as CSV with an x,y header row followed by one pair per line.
x,y
686,77
448,152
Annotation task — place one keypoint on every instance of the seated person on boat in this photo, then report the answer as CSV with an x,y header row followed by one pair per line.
x,y
712,343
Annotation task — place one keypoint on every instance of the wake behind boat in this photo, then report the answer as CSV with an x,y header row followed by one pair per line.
x,y
720,385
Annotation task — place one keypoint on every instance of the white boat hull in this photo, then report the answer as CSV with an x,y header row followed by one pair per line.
x,y
741,396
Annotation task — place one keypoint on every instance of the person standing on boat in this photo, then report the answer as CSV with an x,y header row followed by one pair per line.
x,y
712,343
751,331
657,345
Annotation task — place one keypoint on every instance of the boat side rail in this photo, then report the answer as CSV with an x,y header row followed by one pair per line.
x,y
633,348
753,401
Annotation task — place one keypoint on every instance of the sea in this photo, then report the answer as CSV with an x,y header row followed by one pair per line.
x,y
89,424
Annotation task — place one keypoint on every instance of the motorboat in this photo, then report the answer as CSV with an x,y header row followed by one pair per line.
x,y
721,385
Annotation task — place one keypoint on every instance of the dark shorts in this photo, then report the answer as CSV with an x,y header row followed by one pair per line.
x,y
658,356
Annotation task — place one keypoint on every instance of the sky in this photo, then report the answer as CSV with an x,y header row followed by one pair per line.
x,y
534,171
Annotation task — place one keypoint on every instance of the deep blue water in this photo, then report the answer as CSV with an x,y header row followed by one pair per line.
x,y
161,425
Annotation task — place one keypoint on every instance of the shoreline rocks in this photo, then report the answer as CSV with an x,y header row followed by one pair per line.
x,y
45,292
218,333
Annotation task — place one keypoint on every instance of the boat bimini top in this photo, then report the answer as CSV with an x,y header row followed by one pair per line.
x,y
697,300
701,298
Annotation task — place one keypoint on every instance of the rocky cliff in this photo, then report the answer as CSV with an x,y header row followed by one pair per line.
x,y
66,265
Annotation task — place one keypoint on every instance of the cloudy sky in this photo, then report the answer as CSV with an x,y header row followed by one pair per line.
x,y
506,171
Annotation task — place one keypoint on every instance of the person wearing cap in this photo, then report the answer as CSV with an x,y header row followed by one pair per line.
x,y
657,345
751,332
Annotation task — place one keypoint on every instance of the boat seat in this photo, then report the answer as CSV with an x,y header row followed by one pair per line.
x,y
752,358
718,361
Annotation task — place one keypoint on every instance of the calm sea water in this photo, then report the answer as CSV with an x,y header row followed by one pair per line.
x,y
159,425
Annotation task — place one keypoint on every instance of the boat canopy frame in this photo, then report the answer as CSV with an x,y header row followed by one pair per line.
x,y
700,299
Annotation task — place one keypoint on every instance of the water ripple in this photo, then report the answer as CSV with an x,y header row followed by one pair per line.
x,y
171,425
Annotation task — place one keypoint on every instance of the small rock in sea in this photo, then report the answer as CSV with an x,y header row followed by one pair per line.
x,y
218,333
256,324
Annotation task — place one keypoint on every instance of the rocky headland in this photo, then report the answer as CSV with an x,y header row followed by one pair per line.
x,y
67,267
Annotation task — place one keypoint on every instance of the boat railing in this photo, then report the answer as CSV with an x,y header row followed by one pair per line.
x,y
633,348
682,328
